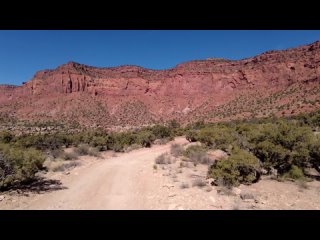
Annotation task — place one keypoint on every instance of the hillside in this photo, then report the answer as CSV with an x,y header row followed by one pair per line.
x,y
278,83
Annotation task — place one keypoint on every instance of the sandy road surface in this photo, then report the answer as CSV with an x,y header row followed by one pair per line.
x,y
123,182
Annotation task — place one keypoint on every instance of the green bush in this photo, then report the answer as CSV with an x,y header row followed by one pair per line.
x,y
314,150
94,152
18,165
199,125
117,147
85,149
192,135
162,132
119,141
179,132
145,138
218,137
42,142
197,154
272,156
280,144
82,149
295,173
100,143
57,153
6,137
193,148
240,168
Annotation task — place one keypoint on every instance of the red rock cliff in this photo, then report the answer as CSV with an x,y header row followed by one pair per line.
x,y
189,85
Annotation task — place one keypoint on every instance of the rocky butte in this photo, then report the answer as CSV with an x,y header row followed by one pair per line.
x,y
279,83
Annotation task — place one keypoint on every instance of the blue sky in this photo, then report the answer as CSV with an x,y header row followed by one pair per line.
x,y
22,53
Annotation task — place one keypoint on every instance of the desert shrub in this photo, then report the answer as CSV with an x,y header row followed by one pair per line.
x,y
94,152
50,142
6,137
55,153
199,124
192,135
83,137
199,183
42,142
272,156
164,158
7,169
280,144
132,147
162,132
295,173
179,131
117,147
60,153
70,156
18,165
145,138
175,128
27,141
59,165
311,119
218,137
62,139
68,140
71,164
100,143
119,141
315,119
193,148
240,167
82,149
197,154
56,165
176,150
291,135
314,150
161,141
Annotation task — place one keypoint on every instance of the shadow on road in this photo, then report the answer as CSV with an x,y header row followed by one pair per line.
x,y
40,185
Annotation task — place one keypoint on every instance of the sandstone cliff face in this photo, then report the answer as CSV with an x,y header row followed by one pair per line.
x,y
6,92
196,86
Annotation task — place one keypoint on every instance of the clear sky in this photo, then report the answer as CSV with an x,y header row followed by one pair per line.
x,y
22,53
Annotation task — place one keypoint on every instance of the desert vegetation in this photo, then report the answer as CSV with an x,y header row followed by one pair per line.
x,y
22,156
283,147
18,164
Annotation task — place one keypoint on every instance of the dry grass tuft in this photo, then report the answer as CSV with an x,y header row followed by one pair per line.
x,y
176,150
199,183
164,158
